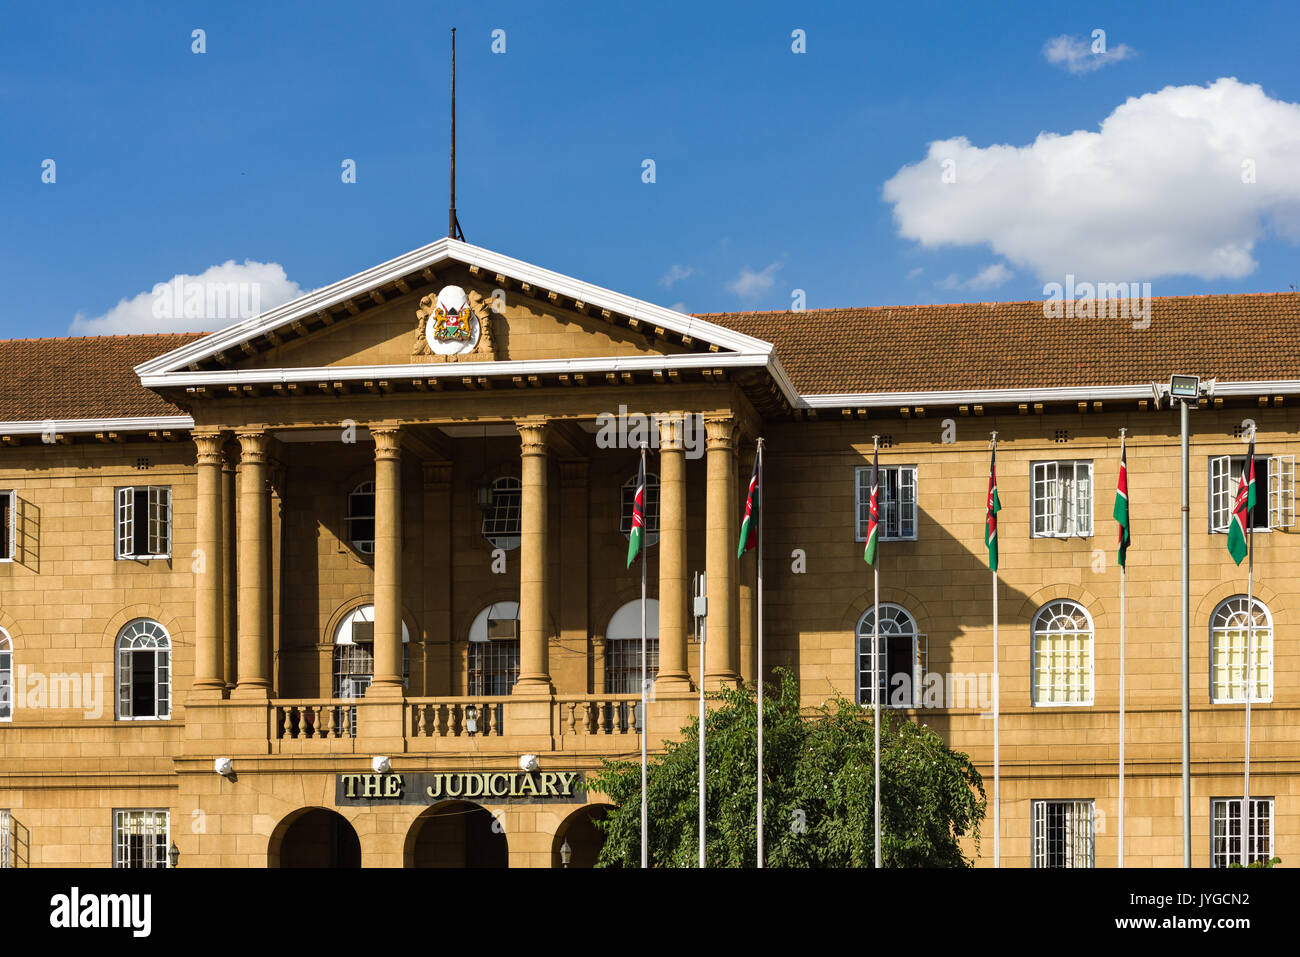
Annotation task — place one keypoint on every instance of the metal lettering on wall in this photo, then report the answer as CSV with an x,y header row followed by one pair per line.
x,y
431,787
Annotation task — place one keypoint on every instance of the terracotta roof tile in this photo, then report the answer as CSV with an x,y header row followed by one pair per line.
x,y
1010,345
81,378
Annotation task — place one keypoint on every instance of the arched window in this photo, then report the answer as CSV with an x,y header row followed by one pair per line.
x,y
1229,631
501,518
494,649
144,671
354,653
1061,646
623,647
6,678
651,508
899,662
361,518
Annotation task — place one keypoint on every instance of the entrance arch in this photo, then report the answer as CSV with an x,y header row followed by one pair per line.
x,y
585,839
456,834
314,837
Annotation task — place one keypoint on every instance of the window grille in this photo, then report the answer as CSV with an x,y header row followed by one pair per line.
x,y
1062,435
143,670
1229,636
361,518
8,524
651,507
1225,831
141,838
897,502
1062,653
501,523
493,666
1062,499
1063,833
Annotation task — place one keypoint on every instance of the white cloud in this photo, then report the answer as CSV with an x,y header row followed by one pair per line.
x,y
914,273
217,297
676,274
678,307
1183,181
750,284
1077,55
994,274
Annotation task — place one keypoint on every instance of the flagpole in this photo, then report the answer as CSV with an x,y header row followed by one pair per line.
x,y
702,622
645,848
1250,650
761,523
997,807
1122,571
875,665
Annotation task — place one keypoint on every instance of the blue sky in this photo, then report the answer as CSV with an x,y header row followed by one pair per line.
x,y
770,165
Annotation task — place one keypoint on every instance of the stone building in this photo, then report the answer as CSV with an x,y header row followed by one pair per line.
x,y
318,588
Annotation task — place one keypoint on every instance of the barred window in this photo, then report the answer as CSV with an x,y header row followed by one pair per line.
x,y
1062,499
1063,833
897,502
494,649
144,682
1225,831
1230,633
1062,654
144,522
141,838
623,647
501,521
8,524
651,507
6,676
354,653
361,518
900,665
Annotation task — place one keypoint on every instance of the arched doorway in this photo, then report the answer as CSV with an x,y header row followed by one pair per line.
x,y
314,837
585,839
457,834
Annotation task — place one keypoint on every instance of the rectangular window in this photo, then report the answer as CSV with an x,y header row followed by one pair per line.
x,y
141,838
1062,499
6,841
1274,491
903,662
8,524
1225,830
144,522
1063,833
897,502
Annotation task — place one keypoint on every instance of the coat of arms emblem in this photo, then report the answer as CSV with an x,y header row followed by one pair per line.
x,y
450,328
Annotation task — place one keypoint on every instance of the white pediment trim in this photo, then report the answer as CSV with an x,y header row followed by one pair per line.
x,y
445,250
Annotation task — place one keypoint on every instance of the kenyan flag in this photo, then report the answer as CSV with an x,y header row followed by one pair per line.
x,y
749,522
991,515
636,539
1238,534
1121,508
873,516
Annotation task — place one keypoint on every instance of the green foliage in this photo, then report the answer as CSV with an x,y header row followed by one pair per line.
x,y
1270,862
817,791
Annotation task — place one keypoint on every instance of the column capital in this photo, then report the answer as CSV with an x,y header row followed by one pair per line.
x,y
210,444
671,427
388,440
532,434
253,445
720,432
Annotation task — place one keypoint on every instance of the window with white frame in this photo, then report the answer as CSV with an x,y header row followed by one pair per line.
x,y
144,659
1061,642
144,522
6,676
6,840
651,507
1225,831
8,524
896,505
1062,499
141,838
902,654
502,518
1232,630
1063,833
1274,491
361,518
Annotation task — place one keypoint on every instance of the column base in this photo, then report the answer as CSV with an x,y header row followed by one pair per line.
x,y
673,683
207,692
386,689
533,685
726,680
253,692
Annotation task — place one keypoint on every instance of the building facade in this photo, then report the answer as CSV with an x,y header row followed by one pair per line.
x,y
345,584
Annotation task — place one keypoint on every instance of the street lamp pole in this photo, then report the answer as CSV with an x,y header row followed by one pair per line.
x,y
1186,645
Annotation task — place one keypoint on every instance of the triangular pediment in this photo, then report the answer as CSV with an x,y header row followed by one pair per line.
x,y
523,315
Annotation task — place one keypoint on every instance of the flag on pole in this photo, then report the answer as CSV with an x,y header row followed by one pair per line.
x,y
636,539
873,517
1121,508
991,515
749,524
1242,508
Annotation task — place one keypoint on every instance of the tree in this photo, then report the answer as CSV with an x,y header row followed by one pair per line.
x,y
817,792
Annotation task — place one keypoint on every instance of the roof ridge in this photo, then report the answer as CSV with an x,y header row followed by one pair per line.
x,y
119,335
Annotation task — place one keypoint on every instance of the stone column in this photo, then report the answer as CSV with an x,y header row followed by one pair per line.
x,y
534,616
388,562
254,566
720,551
673,675
208,660
229,618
